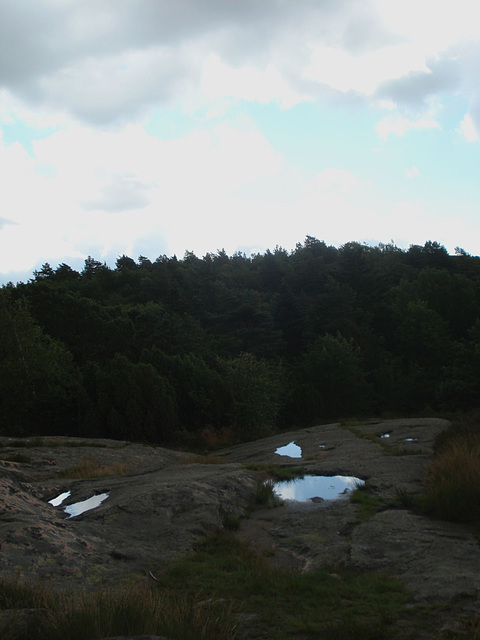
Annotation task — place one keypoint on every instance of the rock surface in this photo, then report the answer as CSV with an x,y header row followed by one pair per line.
x,y
155,510
164,501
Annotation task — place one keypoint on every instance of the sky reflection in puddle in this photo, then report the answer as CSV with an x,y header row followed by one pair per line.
x,y
80,507
324,487
55,502
291,450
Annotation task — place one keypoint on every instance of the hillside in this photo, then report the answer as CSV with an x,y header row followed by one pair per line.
x,y
228,348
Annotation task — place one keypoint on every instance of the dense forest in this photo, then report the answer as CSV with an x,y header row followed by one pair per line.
x,y
236,347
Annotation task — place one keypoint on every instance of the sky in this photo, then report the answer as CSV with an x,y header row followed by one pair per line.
x,y
156,127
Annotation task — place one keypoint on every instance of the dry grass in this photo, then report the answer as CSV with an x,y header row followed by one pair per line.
x,y
453,485
136,609
198,459
90,467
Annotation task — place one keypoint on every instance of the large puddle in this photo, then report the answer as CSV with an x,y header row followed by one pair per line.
x,y
291,450
317,488
78,507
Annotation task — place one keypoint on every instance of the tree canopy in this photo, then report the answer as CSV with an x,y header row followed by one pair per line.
x,y
162,351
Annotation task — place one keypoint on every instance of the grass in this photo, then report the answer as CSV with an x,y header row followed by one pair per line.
x,y
276,472
368,505
16,457
38,442
284,604
453,484
90,467
265,494
226,591
134,609
198,459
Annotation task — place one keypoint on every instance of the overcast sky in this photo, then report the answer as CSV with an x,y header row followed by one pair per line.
x,y
152,127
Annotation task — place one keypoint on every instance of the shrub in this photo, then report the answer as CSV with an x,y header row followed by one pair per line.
x,y
265,494
453,484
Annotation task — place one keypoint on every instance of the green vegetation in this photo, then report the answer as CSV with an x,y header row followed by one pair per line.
x,y
133,609
368,504
453,483
277,472
229,348
283,604
265,495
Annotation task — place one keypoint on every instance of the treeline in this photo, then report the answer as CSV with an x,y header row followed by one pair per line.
x,y
237,346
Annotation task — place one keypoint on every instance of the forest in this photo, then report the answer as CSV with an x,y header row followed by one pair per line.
x,y
229,348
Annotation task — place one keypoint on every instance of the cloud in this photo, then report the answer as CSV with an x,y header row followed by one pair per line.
x,y
412,173
414,88
184,191
4,222
121,193
469,129
110,61
399,125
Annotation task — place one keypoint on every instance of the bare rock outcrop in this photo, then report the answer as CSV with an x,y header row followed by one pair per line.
x,y
161,502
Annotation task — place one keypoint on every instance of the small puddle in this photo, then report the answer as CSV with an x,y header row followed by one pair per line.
x,y
317,487
385,435
55,502
291,450
411,440
78,507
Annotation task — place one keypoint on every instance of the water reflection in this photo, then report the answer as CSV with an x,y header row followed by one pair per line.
x,y
55,502
80,507
291,450
324,487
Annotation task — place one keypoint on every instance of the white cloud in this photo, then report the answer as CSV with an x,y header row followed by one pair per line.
x,y
105,191
246,83
362,74
412,173
469,129
100,184
399,125
109,62
433,25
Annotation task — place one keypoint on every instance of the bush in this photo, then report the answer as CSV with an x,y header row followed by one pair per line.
x,y
453,485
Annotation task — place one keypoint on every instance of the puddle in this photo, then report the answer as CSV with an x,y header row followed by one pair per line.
x,y
55,502
311,487
411,440
291,450
385,435
80,507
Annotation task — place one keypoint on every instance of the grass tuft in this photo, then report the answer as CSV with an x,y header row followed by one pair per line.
x,y
368,505
89,467
453,484
265,494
